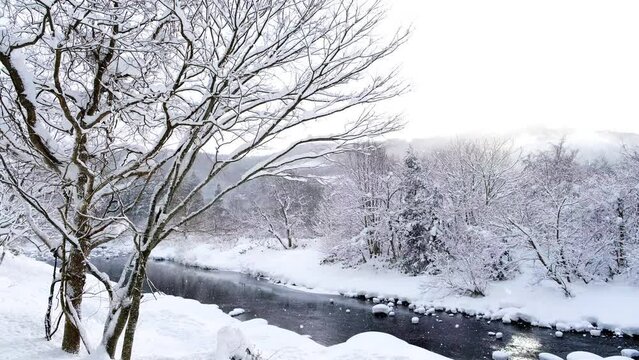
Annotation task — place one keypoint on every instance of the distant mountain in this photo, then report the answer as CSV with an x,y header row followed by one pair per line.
x,y
591,144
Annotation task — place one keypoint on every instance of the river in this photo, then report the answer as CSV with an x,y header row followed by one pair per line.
x,y
457,337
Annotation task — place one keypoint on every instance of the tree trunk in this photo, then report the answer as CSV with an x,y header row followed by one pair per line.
x,y
75,279
119,313
289,237
111,342
619,252
134,310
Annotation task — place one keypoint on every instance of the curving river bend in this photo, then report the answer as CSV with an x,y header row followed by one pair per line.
x,y
457,337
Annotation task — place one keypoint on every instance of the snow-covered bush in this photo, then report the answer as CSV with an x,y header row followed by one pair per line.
x,y
473,257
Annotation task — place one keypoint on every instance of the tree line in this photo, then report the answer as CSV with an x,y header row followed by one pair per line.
x,y
477,211
469,212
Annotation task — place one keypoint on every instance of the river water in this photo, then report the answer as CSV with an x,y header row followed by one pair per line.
x,y
457,337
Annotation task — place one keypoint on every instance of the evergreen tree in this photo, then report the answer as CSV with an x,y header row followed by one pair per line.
x,y
417,222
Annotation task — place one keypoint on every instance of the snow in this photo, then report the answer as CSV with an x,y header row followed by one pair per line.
x,y
20,64
381,309
582,355
631,353
547,356
524,298
500,355
170,327
236,312
231,343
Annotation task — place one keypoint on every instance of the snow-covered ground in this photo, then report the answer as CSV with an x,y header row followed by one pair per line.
x,y
170,327
610,306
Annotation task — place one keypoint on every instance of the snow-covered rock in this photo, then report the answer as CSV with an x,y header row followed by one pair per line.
x,y
631,353
392,313
595,332
236,312
501,355
414,320
231,344
563,326
381,309
347,311
548,356
491,333
420,310
559,334
375,345
582,355
499,335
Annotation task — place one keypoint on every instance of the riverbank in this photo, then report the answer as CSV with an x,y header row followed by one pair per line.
x,y
607,306
170,327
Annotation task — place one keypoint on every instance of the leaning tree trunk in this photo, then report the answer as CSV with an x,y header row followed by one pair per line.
x,y
74,280
134,310
124,309
119,309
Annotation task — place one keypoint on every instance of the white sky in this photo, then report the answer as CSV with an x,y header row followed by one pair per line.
x,y
504,65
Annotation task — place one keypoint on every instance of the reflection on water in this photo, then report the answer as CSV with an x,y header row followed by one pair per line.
x,y
457,337
524,345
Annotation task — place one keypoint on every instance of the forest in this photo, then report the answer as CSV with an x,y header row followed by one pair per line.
x,y
470,212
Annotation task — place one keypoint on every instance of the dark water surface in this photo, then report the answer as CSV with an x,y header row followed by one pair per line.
x,y
457,337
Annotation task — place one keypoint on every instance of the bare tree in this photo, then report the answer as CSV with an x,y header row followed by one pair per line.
x,y
282,213
359,203
92,94
79,103
548,212
276,68
476,178
369,169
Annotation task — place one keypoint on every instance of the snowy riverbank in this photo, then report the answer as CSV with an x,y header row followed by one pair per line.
x,y
609,306
170,327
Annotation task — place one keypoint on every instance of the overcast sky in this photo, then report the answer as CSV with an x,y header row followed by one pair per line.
x,y
496,66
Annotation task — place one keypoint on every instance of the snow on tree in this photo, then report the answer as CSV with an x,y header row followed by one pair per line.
x,y
356,216
283,208
475,178
417,224
13,224
99,97
276,69
554,217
